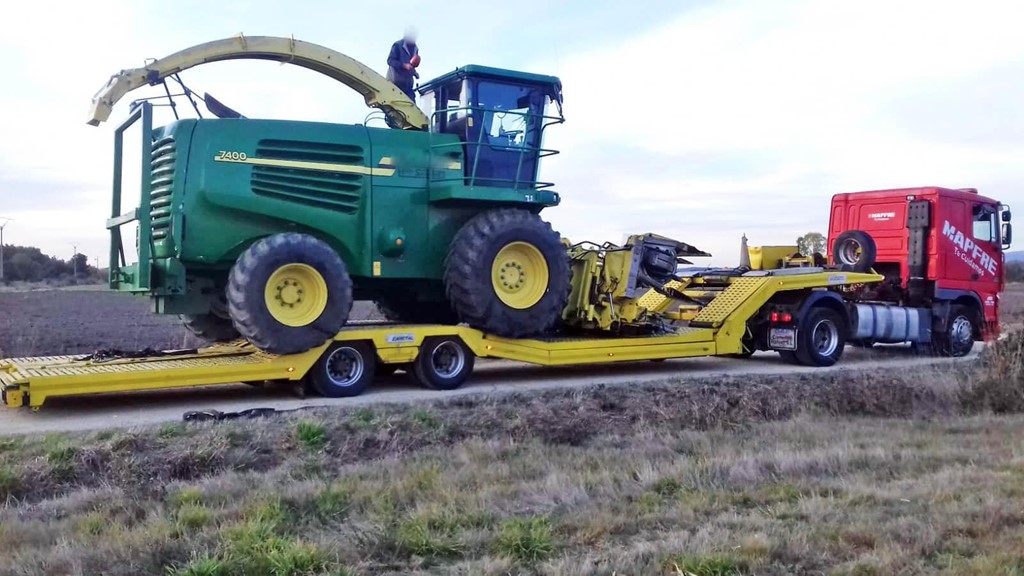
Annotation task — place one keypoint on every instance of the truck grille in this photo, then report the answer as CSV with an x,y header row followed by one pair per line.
x,y
162,184
338,191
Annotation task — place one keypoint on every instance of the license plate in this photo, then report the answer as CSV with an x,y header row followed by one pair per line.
x,y
782,338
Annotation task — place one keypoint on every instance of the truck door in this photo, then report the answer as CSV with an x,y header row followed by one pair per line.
x,y
973,255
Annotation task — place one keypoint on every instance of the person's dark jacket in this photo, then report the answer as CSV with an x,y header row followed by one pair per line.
x,y
402,54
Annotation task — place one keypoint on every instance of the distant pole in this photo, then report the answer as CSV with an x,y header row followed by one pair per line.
x,y
3,222
74,263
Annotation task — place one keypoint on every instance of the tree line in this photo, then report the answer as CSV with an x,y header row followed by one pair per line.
x,y
29,264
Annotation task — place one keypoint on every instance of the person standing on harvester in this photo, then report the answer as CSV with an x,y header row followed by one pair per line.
x,y
402,63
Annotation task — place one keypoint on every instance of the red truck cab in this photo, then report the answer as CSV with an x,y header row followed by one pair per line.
x,y
939,248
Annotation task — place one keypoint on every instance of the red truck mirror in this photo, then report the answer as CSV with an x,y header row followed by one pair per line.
x,y
1007,235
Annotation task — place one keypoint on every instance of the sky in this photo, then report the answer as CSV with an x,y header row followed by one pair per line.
x,y
701,121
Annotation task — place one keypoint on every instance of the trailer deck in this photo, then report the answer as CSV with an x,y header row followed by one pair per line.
x,y
714,329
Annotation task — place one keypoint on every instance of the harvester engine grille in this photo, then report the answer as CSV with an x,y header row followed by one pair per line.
x,y
162,183
324,175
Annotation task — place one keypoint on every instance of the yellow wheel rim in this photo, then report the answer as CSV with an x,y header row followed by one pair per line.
x,y
519,275
296,294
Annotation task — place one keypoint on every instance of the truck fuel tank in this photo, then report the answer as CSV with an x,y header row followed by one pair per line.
x,y
890,324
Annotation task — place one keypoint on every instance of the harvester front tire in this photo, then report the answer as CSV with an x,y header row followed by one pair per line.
x,y
507,273
288,293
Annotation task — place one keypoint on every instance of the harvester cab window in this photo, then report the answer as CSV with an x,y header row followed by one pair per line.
x,y
985,223
512,114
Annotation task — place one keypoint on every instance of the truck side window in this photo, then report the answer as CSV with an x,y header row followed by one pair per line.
x,y
985,224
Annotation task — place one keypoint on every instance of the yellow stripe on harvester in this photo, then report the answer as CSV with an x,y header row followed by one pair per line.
x,y
347,168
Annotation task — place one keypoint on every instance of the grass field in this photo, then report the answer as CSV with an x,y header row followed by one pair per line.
x,y
842,473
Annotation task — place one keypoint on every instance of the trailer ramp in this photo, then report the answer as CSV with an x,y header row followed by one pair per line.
x,y
29,381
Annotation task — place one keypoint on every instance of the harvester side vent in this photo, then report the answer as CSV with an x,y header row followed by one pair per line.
x,y
331,190
162,163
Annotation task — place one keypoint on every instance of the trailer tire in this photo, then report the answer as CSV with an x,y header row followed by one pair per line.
x,y
345,369
507,273
288,293
821,338
413,312
854,251
957,339
444,363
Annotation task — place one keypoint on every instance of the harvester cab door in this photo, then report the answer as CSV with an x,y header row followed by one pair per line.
x,y
507,138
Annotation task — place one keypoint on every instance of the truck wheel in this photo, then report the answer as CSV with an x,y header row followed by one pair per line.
x,y
958,338
443,363
288,293
507,273
345,369
413,312
854,251
821,337
209,327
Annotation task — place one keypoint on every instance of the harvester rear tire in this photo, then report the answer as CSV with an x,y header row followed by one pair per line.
x,y
209,327
413,312
538,276
295,264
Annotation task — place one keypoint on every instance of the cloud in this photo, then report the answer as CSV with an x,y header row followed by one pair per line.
x,y
748,116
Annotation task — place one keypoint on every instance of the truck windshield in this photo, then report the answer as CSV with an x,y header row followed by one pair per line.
x,y
986,226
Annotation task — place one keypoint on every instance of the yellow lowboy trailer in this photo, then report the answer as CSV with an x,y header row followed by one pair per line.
x,y
799,312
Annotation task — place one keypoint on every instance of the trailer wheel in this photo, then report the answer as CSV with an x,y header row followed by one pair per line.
x,y
958,338
821,338
507,272
344,369
444,363
288,293
854,251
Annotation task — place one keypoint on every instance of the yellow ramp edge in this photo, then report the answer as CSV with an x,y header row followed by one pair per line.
x,y
66,376
738,292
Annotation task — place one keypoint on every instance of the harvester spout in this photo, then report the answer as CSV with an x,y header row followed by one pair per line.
x,y
378,92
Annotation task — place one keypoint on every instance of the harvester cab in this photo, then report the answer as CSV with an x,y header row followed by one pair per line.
x,y
499,116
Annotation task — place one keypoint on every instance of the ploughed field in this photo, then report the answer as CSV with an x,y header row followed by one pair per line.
x,y
83,320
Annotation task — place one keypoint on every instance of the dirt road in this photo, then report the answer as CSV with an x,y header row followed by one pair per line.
x,y
490,377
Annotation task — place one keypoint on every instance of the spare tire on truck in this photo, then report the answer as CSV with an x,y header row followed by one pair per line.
x,y
854,251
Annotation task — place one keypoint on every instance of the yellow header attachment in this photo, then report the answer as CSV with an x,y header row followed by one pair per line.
x,y
378,92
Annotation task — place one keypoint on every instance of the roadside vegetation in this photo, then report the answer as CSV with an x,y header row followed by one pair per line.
x,y
845,472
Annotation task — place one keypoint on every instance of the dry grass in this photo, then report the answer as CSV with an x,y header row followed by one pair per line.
x,y
1011,307
837,474
840,473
